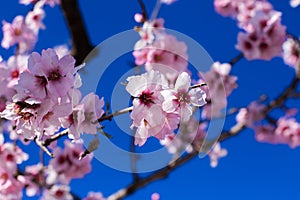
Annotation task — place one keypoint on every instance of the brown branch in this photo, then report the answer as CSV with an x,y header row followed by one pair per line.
x,y
144,11
163,173
55,137
236,59
43,147
279,101
80,40
235,130
120,112
295,95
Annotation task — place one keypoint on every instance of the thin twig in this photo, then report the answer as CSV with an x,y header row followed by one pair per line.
x,y
55,137
279,101
295,95
144,11
236,59
198,85
120,112
43,147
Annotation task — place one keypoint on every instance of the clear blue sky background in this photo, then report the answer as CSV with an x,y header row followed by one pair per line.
x,y
251,170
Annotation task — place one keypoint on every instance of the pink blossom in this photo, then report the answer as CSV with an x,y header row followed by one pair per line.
x,y
10,156
265,133
248,9
27,2
10,187
251,115
13,68
52,3
220,85
48,116
148,32
84,117
294,3
66,164
287,131
51,74
18,33
94,196
227,7
264,38
138,17
167,55
160,51
180,99
190,137
291,53
34,18
147,114
62,50
57,192
242,10
23,110
5,94
215,154
155,196
33,174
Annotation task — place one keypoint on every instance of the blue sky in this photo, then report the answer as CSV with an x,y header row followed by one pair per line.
x,y
251,170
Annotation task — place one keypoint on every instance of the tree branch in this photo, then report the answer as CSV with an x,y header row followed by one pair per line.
x,y
80,40
235,130
144,11
163,173
120,112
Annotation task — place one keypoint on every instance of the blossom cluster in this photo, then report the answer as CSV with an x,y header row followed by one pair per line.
x,y
158,108
192,138
160,51
220,85
23,31
57,175
46,98
291,53
285,130
11,156
264,34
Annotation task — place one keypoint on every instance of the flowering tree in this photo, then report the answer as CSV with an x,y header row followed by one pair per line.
x,y
179,107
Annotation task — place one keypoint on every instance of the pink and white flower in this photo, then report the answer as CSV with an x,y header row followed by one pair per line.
x,y
291,53
180,99
264,38
66,164
215,154
85,115
220,85
147,114
94,196
34,18
294,3
19,33
57,192
251,115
